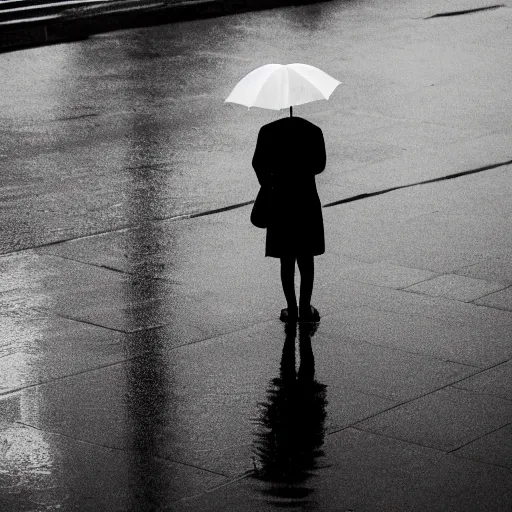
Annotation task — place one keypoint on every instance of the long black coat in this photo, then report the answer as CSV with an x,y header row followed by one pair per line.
x,y
289,153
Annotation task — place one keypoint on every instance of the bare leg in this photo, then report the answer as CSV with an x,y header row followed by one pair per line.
x,y
288,282
307,276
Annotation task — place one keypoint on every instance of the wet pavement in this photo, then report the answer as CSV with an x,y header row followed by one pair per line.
x,y
142,365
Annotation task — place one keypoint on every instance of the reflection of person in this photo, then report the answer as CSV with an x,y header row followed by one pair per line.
x,y
291,422
289,153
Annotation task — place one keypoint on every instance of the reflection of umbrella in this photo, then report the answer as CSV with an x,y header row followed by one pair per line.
x,y
277,86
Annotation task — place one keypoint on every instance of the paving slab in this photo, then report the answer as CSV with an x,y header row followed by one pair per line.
x,y
336,294
41,276
347,405
439,242
431,239
496,381
106,296
494,448
496,269
197,404
366,472
189,255
415,85
168,248
401,228
414,329
456,287
444,420
62,287
434,162
382,274
33,351
425,135
43,471
200,401
499,300
203,255
351,361
200,408
187,376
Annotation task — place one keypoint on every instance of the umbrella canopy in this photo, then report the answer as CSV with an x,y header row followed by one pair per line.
x,y
278,86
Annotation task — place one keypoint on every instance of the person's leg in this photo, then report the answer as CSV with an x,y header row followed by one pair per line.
x,y
306,265
288,282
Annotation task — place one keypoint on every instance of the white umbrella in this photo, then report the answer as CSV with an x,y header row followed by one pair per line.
x,y
278,86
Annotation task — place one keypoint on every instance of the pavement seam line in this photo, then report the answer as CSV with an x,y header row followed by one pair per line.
x,y
478,438
216,335
116,363
424,182
51,314
475,460
440,450
113,269
465,11
472,302
497,308
82,321
404,289
360,281
390,347
115,448
506,287
438,274
172,218
406,402
64,377
88,263
481,393
217,487
401,351
395,438
245,203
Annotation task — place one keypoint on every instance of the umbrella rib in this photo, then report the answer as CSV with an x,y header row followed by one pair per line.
x,y
256,98
314,89
286,89
335,82
263,91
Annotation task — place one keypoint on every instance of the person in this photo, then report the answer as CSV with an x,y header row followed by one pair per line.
x,y
289,153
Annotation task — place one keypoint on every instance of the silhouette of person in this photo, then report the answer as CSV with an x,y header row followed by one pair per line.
x,y
291,422
289,153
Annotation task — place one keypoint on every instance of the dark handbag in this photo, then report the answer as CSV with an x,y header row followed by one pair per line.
x,y
260,213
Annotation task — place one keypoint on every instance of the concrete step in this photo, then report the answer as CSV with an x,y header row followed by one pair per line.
x,y
14,4
21,12
96,16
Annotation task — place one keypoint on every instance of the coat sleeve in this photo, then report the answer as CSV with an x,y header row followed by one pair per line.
x,y
260,162
319,152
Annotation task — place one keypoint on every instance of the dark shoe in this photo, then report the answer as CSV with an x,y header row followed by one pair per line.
x,y
312,316
287,317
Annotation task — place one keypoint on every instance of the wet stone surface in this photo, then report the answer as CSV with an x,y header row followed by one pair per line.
x,y
368,472
142,365
40,350
62,473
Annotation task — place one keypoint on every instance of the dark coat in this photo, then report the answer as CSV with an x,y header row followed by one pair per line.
x,y
289,153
